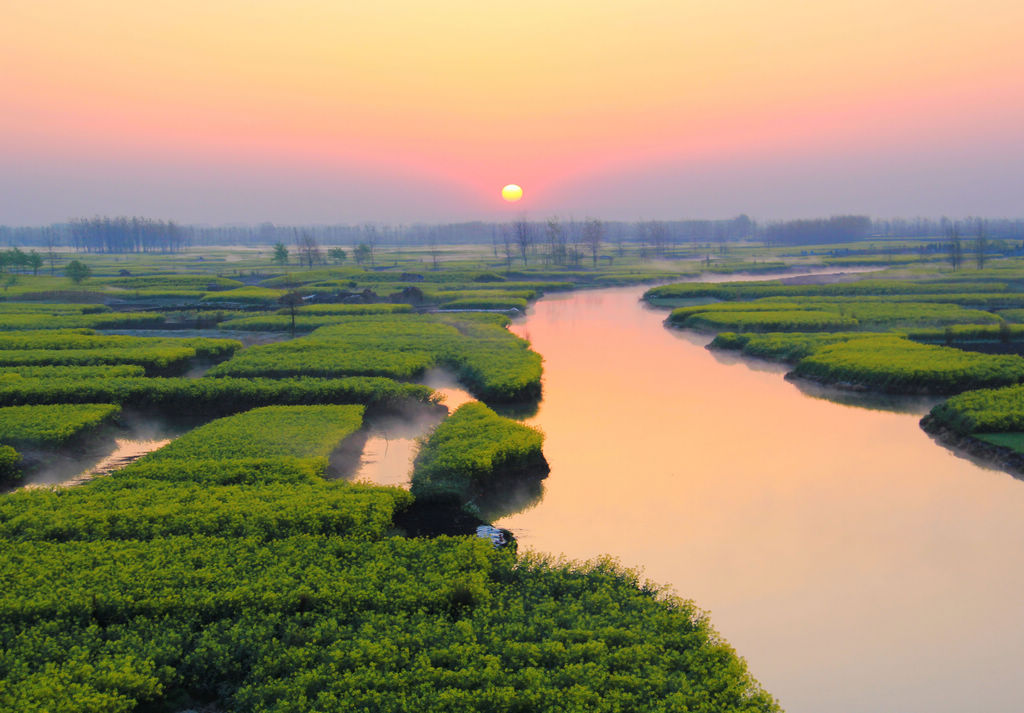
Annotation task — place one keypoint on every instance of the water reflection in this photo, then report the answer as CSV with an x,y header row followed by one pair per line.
x,y
391,442
854,564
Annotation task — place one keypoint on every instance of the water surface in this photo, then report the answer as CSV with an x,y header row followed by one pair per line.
x,y
855,564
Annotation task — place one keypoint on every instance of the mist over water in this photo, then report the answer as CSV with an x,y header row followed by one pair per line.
x,y
392,442
857,565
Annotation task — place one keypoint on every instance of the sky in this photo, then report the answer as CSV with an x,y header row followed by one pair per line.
x,y
399,111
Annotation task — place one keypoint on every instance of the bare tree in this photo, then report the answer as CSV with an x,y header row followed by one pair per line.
x,y
310,250
956,246
593,234
981,244
506,239
435,251
659,237
555,234
523,232
370,240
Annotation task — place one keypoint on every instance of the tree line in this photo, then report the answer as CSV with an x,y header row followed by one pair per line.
x,y
127,235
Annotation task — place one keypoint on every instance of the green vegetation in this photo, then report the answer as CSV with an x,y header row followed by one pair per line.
x,y
211,396
52,425
896,365
10,465
983,411
495,364
789,347
472,451
133,510
302,432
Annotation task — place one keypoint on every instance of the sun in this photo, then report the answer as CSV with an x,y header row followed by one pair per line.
x,y
511,193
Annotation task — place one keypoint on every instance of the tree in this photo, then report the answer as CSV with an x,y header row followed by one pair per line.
x,y
981,244
956,246
338,255
593,233
77,271
280,254
309,249
35,261
556,241
362,253
523,232
291,299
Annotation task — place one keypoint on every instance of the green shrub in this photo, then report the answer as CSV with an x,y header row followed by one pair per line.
x,y
52,425
268,432
896,365
472,449
164,509
10,465
984,410
212,396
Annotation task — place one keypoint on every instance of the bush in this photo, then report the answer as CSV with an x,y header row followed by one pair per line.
x,y
472,449
10,465
896,365
53,425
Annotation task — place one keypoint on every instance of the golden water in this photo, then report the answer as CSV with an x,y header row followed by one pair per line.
x,y
855,564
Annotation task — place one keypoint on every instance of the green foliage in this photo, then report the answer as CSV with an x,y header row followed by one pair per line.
x,y
788,347
472,449
269,432
161,509
497,303
495,364
314,622
211,396
896,365
818,315
77,271
175,281
79,372
348,310
794,320
754,290
984,410
155,360
10,465
101,320
52,425
245,295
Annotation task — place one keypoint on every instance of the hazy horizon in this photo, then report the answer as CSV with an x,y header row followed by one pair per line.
x,y
325,113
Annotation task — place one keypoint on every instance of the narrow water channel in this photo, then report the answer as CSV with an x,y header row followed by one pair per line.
x,y
857,565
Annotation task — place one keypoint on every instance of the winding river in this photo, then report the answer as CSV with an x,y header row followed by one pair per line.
x,y
857,565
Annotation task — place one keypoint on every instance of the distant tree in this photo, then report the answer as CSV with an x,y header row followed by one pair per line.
x,y
77,271
338,255
35,261
523,232
363,253
956,246
370,241
593,233
309,249
280,254
435,252
51,242
291,299
506,239
556,240
981,244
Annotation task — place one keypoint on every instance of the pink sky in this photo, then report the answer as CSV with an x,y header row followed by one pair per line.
x,y
319,111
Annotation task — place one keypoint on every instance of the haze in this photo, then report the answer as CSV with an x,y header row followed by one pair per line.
x,y
221,111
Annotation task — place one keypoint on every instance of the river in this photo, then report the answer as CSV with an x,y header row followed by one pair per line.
x,y
855,564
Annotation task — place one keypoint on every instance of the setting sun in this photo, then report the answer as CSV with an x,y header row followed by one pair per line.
x,y
512,193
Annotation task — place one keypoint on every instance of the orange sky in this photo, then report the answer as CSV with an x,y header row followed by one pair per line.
x,y
424,110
